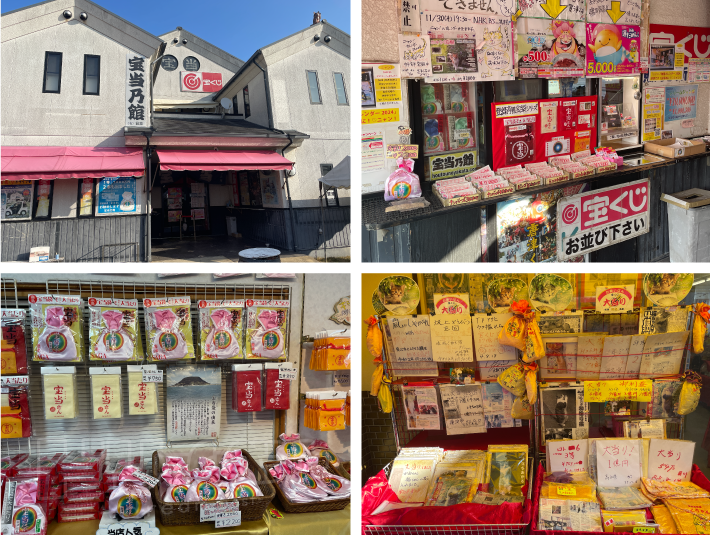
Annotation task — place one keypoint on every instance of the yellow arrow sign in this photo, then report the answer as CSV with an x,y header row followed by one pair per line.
x,y
615,12
553,8
517,15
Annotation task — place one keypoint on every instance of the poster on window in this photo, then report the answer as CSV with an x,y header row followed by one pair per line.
x,y
87,190
43,190
117,196
193,403
270,186
16,199
550,48
254,188
244,188
612,50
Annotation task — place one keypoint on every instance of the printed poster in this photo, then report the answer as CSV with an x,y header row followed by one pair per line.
x,y
681,102
469,48
16,199
388,85
421,407
565,413
550,48
85,202
463,409
654,99
373,150
117,195
615,299
527,227
666,62
569,10
612,50
194,402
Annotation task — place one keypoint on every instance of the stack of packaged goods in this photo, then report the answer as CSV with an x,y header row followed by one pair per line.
x,y
573,169
325,410
454,191
547,173
519,177
578,156
449,124
44,470
81,474
602,165
7,467
609,154
331,351
568,502
490,184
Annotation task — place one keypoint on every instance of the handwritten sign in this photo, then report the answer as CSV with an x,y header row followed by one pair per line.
x,y
589,356
633,363
415,56
490,370
662,354
670,460
615,299
410,338
451,338
152,376
629,390
485,337
567,455
463,409
287,372
209,511
614,357
410,478
385,115
402,151
618,462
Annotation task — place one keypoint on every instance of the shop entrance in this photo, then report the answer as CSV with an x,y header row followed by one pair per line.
x,y
186,202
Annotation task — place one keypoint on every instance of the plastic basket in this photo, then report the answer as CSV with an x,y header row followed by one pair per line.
x,y
188,513
314,507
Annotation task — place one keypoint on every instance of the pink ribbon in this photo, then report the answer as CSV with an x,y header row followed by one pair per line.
x,y
54,316
127,474
174,460
174,478
221,318
228,456
268,319
278,472
210,474
26,493
164,320
407,165
319,444
233,469
113,319
290,438
205,463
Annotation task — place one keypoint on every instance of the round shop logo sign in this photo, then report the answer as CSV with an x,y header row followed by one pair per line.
x,y
179,493
520,150
270,340
293,450
244,490
401,190
147,302
24,519
570,214
250,303
206,491
56,342
333,484
32,299
308,481
222,339
113,341
92,302
191,81
202,304
168,341
129,506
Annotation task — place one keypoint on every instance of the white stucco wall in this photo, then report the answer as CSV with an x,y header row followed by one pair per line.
x,y
30,117
327,124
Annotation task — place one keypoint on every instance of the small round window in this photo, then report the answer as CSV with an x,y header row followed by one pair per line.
x,y
191,63
169,63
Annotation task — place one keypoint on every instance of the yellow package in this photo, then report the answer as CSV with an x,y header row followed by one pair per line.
x,y
331,420
106,392
667,489
513,332
9,359
513,379
376,380
662,516
59,392
522,409
534,348
700,326
142,398
506,468
531,382
612,520
690,515
689,393
374,337
11,421
385,397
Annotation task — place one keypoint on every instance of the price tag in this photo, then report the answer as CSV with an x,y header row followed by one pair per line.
x,y
644,529
152,376
566,491
209,511
287,373
16,380
145,478
228,520
341,378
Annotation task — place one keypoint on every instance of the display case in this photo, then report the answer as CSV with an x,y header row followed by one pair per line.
x,y
619,111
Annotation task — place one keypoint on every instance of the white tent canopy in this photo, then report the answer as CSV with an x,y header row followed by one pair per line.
x,y
338,176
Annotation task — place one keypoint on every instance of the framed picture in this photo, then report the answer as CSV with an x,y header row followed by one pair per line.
x,y
560,360
368,89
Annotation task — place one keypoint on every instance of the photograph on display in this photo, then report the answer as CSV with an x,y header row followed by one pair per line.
x,y
367,89
564,413
559,323
422,407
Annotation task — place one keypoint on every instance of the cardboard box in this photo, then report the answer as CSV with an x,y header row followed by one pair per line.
x,y
662,147
464,199
690,198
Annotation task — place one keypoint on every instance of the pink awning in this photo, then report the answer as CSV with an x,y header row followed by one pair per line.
x,y
222,160
48,163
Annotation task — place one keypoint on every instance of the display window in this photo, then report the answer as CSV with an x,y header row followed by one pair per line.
x,y
43,199
17,199
86,197
541,402
619,108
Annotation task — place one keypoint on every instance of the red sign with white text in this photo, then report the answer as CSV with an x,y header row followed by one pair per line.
x,y
696,40
200,82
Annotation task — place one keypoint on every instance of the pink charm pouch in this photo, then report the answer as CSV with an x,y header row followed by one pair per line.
x,y
402,183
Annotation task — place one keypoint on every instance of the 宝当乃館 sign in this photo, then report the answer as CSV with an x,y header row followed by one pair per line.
x,y
200,82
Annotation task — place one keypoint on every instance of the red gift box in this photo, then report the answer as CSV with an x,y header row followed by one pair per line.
x,y
277,391
84,497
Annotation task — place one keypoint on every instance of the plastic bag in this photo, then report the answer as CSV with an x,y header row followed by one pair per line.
x,y
689,393
522,409
513,379
402,183
700,326
513,332
531,382
57,327
376,381
534,348
664,519
385,398
374,338
221,329
616,519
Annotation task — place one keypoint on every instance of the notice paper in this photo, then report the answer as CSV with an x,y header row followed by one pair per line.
x,y
485,337
589,356
421,407
670,460
451,338
410,478
614,356
567,455
463,409
662,354
619,463
627,389
411,345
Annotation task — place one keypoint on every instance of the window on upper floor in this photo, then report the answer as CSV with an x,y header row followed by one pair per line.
x,y
313,88
235,105
52,72
340,92
92,74
247,107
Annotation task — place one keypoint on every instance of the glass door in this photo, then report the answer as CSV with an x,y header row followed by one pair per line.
x,y
619,108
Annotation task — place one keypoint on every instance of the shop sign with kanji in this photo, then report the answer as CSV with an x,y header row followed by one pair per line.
x,y
137,96
597,219
452,165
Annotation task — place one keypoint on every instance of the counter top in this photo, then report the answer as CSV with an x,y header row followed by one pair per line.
x,y
374,216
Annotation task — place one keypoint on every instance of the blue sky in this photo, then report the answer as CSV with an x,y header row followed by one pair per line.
x,y
239,27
